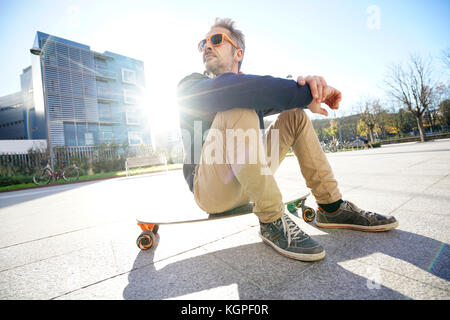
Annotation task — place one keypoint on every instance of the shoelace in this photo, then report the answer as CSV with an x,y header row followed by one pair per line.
x,y
291,230
367,214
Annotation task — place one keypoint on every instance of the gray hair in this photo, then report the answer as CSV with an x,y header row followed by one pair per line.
x,y
236,35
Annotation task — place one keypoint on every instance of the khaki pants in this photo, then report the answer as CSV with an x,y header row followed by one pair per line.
x,y
234,178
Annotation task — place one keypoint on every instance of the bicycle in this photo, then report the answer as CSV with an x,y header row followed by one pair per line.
x,y
69,173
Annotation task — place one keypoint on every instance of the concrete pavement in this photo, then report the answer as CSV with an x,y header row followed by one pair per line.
x,y
78,241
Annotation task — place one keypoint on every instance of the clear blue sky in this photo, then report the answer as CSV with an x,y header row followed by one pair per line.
x,y
340,40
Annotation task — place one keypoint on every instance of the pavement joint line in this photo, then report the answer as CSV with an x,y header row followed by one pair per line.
x,y
353,188
61,234
44,238
147,265
40,260
442,178
401,205
423,190
400,274
415,164
91,284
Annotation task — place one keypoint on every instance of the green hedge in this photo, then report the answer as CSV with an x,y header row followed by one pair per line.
x,y
18,179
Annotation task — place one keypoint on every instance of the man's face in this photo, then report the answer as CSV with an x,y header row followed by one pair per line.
x,y
218,59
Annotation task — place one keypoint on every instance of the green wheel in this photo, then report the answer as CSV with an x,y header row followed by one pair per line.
x,y
309,214
145,240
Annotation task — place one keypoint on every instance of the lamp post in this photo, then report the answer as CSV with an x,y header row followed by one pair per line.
x,y
38,52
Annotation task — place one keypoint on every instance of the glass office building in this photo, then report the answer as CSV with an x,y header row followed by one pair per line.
x,y
84,98
13,117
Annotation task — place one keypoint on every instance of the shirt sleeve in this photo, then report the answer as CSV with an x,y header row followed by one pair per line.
x,y
265,94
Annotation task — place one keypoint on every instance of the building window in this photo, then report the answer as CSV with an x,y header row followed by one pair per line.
x,y
70,134
104,112
129,96
89,138
107,134
134,138
81,130
128,76
132,117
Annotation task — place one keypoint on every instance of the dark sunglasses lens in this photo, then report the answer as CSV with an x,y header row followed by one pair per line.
x,y
216,39
202,44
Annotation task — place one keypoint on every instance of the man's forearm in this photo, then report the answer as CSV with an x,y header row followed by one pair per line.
x,y
231,90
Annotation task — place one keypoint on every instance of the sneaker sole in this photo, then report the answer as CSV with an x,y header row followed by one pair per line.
x,y
385,227
293,255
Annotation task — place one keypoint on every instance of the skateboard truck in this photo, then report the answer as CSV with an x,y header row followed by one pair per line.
x,y
308,213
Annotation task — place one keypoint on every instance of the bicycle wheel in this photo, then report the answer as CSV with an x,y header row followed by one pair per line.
x,y
71,173
42,177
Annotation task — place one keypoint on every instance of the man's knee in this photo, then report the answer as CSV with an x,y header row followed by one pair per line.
x,y
293,120
239,119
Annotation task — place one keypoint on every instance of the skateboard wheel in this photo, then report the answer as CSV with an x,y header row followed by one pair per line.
x,y
145,240
309,214
155,228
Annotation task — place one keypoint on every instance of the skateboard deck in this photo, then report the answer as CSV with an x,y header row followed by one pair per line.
x,y
150,223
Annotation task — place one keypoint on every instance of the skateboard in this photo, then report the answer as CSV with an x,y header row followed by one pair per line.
x,y
150,227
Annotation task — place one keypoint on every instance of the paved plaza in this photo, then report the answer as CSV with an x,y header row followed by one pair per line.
x,y
77,241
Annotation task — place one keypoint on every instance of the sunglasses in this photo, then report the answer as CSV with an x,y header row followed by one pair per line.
x,y
216,40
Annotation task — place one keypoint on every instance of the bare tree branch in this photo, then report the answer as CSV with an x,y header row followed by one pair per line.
x,y
412,86
445,57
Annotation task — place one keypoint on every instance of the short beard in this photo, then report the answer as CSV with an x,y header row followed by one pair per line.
x,y
215,69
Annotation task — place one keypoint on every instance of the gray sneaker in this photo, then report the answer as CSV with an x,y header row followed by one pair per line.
x,y
289,240
349,216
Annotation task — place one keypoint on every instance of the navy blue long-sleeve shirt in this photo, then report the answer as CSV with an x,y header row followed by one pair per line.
x,y
200,98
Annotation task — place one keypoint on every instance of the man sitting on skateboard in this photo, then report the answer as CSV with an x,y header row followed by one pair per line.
x,y
228,106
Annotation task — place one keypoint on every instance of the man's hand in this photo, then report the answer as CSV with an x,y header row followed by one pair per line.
x,y
317,84
332,99
321,92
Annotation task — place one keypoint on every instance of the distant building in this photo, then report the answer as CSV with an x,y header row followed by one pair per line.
x,y
168,139
170,142
78,97
13,117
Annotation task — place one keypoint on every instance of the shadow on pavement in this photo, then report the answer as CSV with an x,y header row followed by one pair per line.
x,y
325,279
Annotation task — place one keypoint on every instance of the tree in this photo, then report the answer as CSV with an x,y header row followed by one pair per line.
x,y
405,120
445,57
362,128
439,111
392,124
412,86
369,111
332,129
444,114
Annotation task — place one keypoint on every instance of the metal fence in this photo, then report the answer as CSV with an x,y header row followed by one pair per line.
x,y
12,163
90,154
29,160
